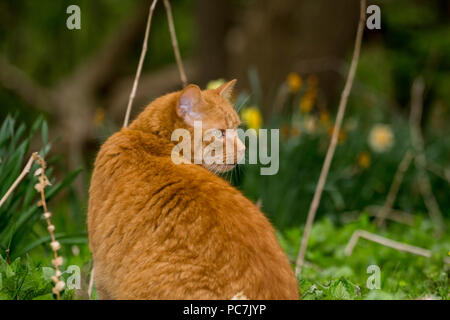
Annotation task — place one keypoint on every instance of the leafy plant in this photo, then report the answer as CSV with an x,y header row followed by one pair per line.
x,y
330,274
22,280
20,227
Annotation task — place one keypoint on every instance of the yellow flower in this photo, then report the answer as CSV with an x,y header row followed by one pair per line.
x,y
324,117
363,160
306,105
252,117
381,138
214,84
294,81
308,100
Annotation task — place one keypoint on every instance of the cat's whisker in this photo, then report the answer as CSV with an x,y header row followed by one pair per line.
x,y
242,103
238,174
231,176
215,169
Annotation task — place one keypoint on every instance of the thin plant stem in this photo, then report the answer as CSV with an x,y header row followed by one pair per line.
x,y
394,215
91,283
417,92
334,139
395,187
173,37
437,170
388,243
40,187
141,62
57,260
22,175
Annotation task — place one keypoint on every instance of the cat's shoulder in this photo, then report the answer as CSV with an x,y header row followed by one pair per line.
x,y
130,147
133,143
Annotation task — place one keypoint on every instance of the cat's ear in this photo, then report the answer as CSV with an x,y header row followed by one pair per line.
x,y
189,104
226,89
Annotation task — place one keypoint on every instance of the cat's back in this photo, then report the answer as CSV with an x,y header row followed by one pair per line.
x,y
136,184
125,176
164,231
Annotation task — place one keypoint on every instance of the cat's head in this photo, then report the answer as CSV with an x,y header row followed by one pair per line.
x,y
212,110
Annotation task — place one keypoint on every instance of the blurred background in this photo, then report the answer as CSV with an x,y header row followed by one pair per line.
x,y
64,92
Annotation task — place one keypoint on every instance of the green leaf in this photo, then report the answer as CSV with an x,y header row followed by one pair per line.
x,y
52,191
61,237
20,212
44,131
9,272
4,296
48,296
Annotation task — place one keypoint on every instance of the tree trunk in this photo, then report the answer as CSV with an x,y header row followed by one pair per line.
x,y
306,36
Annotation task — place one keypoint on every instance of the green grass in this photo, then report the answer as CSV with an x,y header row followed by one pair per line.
x,y
330,274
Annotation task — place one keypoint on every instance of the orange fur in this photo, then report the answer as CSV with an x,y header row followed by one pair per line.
x,y
158,230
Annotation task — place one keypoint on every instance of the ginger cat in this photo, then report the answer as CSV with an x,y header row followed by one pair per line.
x,y
160,230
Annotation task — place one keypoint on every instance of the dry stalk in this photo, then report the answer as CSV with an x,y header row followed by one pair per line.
x,y
395,186
374,211
417,91
388,243
91,283
22,175
141,62
173,37
437,170
259,203
334,139
392,214
55,245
